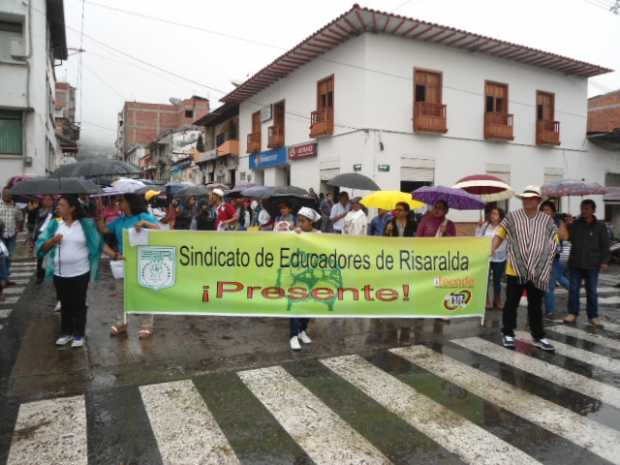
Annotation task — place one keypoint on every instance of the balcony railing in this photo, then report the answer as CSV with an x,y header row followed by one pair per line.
x,y
275,138
322,122
498,126
548,132
229,147
429,117
253,142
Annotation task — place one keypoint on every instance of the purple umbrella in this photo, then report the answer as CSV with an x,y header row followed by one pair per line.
x,y
568,187
455,198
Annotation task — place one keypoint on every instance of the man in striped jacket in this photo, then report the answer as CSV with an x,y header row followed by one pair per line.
x,y
532,239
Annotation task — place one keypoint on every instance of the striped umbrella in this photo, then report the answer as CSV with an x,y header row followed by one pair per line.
x,y
489,188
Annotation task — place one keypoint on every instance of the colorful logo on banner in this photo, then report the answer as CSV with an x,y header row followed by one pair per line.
x,y
156,267
310,275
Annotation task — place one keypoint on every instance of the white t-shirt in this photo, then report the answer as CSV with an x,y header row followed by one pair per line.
x,y
71,257
488,230
338,210
355,223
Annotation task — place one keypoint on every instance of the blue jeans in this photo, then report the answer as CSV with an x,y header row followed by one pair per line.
x,y
298,325
576,275
557,276
4,275
11,243
497,271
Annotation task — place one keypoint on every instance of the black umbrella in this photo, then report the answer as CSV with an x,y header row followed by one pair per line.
x,y
96,168
257,192
295,197
354,181
192,191
42,185
237,191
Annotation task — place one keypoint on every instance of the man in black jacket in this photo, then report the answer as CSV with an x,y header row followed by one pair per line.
x,y
589,254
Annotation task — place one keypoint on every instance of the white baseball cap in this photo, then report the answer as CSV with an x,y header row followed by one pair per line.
x,y
219,192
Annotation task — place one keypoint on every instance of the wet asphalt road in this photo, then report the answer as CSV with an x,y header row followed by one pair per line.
x,y
225,390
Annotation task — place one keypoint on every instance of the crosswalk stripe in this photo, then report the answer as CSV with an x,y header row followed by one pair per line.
x,y
608,326
50,431
10,299
5,313
611,300
586,433
450,430
585,336
322,434
21,274
606,363
184,428
14,290
557,375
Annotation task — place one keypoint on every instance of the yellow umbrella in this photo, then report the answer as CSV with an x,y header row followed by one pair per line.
x,y
387,200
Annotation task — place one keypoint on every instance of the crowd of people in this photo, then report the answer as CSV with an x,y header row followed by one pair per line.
x,y
534,248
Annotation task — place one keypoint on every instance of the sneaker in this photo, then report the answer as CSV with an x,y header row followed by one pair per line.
x,y
57,307
77,342
544,344
64,340
303,337
596,323
294,342
508,342
570,319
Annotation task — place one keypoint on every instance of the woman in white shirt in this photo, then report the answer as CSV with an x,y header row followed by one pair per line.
x,y
356,221
75,246
498,260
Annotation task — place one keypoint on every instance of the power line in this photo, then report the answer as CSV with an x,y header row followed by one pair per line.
x,y
80,77
349,65
88,123
105,83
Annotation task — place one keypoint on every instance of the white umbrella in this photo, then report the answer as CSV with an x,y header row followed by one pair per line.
x,y
127,185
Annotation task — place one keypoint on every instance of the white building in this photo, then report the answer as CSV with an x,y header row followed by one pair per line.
x,y
32,41
409,103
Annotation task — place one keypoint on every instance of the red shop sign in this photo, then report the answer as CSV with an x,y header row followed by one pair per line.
x,y
302,151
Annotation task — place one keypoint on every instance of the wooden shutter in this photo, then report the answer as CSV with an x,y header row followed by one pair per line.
x,y
546,103
431,81
11,133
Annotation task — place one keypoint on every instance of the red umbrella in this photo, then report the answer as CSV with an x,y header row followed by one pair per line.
x,y
489,188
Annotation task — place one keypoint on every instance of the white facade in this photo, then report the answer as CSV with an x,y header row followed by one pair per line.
x,y
373,111
27,85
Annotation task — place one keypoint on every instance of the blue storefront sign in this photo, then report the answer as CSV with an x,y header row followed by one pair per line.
x,y
269,159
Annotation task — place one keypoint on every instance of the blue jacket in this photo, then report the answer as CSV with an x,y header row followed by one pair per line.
x,y
93,241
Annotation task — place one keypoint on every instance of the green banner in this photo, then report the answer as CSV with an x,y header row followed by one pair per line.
x,y
309,275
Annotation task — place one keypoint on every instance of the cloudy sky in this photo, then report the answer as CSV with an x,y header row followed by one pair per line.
x,y
213,42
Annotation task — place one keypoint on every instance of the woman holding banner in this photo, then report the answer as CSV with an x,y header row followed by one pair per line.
x,y
76,248
136,216
306,218
403,224
498,260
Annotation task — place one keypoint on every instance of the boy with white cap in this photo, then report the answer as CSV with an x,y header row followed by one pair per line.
x,y
306,218
532,239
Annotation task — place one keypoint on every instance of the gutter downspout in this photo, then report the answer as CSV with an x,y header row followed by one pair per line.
x,y
28,72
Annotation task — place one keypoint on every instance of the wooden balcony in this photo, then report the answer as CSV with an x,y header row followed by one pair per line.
x,y
230,147
253,142
429,117
498,126
548,132
322,123
275,137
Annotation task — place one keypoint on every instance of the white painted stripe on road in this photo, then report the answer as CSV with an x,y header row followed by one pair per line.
x,y
21,275
597,438
585,336
50,432
185,430
613,300
470,442
323,435
5,313
544,370
14,290
608,326
601,361
10,300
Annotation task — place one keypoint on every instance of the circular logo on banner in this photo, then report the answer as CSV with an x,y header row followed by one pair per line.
x,y
156,267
